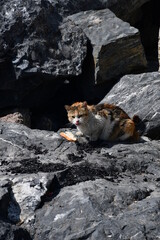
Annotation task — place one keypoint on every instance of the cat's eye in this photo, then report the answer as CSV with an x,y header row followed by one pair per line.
x,y
73,116
79,116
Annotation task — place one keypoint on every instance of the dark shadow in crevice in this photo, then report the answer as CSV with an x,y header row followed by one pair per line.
x,y
21,234
154,133
14,210
92,92
4,203
149,25
9,208
85,171
33,165
53,190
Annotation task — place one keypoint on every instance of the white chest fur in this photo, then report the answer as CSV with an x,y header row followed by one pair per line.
x,y
97,127
107,129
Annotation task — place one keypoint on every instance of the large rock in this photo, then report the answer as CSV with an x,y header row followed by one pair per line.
x,y
117,48
31,32
102,189
36,54
139,94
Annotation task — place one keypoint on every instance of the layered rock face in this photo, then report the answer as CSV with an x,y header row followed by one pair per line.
x,y
53,53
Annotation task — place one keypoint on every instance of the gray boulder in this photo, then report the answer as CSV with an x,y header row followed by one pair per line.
x,y
31,32
139,94
36,54
117,48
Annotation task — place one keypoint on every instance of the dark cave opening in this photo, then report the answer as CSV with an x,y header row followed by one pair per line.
x,y
53,116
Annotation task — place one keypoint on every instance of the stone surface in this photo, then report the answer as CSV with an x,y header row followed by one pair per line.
x,y
9,232
139,94
16,116
65,190
117,49
100,210
27,190
31,32
38,53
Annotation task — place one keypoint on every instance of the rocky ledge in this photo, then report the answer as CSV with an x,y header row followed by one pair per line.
x,y
57,189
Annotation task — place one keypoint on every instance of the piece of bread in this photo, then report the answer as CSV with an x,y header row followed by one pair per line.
x,y
69,136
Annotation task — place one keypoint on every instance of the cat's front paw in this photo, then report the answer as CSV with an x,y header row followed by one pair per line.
x,y
93,138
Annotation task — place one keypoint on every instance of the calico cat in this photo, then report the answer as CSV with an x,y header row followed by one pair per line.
x,y
102,121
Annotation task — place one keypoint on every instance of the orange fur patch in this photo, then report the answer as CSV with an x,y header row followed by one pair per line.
x,y
103,113
117,111
129,127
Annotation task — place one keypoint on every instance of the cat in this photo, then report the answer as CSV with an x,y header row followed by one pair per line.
x,y
102,122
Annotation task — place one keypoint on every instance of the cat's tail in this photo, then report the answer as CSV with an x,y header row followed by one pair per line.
x,y
139,124
136,119
136,136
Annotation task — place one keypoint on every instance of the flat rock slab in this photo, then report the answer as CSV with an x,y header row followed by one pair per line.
x,y
117,48
100,210
139,94
78,189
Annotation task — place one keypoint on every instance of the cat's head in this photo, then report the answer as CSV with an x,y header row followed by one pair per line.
x,y
77,113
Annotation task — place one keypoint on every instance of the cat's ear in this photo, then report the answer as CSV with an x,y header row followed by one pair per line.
x,y
67,107
84,104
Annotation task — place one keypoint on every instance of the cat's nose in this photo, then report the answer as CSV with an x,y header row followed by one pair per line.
x,y
77,122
